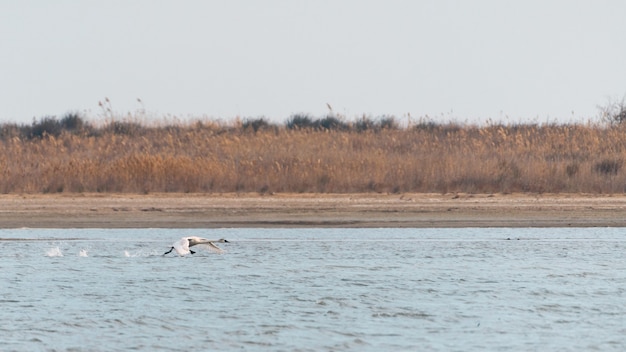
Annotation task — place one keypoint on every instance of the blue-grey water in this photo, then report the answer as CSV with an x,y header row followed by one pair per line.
x,y
314,290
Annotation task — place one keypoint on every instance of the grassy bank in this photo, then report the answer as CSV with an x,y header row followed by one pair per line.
x,y
308,155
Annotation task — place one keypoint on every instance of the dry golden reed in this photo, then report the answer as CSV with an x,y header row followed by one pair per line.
x,y
204,157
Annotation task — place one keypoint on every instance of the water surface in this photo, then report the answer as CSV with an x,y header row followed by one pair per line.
x,y
314,289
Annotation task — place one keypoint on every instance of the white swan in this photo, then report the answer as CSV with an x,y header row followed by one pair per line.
x,y
182,246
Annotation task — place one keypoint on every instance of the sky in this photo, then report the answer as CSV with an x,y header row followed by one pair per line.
x,y
465,61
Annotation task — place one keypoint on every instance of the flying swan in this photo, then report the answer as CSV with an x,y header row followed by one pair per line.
x,y
182,246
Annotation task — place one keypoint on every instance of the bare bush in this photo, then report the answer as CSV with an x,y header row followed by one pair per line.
x,y
614,112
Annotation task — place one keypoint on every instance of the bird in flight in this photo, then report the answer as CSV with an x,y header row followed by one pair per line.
x,y
182,246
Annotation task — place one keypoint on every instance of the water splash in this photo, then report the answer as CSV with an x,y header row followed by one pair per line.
x,y
54,252
140,253
82,253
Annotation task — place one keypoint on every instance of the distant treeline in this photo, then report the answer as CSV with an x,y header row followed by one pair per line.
x,y
307,154
75,124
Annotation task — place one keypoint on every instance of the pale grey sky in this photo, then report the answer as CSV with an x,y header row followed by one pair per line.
x,y
530,60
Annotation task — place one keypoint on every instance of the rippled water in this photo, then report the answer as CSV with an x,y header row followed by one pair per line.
x,y
314,289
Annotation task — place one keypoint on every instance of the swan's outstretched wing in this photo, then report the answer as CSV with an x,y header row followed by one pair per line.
x,y
209,246
181,246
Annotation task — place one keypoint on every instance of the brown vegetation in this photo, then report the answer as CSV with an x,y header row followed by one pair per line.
x,y
326,155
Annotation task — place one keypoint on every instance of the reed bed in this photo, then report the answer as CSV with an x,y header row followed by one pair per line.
x,y
242,157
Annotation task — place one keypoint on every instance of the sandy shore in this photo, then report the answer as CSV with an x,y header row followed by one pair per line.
x,y
309,210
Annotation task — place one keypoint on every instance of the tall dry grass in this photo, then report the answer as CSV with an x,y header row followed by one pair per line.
x,y
204,157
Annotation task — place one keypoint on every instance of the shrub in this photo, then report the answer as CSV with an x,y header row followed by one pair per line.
x,y
365,124
331,123
614,112
72,122
257,125
299,122
47,126
388,122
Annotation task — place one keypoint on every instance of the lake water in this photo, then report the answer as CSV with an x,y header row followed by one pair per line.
x,y
314,290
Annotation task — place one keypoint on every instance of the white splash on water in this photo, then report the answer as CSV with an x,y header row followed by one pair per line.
x,y
140,253
82,253
54,252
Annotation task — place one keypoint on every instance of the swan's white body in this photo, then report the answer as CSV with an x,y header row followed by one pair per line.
x,y
182,246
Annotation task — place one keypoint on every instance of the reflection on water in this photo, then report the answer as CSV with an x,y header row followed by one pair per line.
x,y
314,289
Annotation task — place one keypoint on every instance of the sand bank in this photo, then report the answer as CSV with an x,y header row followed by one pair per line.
x,y
309,210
